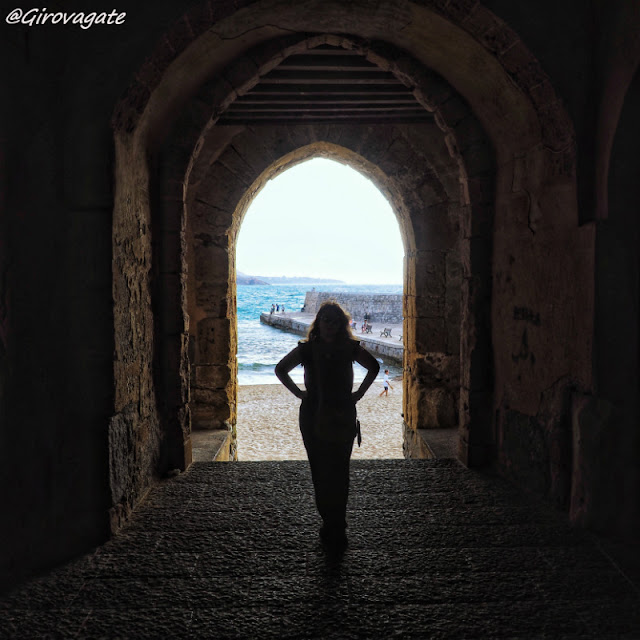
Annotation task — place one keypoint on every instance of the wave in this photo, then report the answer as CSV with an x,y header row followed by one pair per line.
x,y
257,367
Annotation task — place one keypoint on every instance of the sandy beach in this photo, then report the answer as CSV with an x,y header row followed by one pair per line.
x,y
268,423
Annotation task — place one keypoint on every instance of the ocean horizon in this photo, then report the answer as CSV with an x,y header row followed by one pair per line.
x,y
260,346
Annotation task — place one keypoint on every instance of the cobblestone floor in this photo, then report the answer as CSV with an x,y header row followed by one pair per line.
x,y
230,550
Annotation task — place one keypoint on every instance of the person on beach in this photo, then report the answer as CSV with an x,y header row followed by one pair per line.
x,y
386,383
328,410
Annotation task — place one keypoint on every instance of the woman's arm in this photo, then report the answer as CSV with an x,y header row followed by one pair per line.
x,y
372,366
289,362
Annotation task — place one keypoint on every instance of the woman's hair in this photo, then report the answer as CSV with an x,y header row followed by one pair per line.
x,y
343,317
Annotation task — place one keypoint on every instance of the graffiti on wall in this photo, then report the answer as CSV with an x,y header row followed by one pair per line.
x,y
530,317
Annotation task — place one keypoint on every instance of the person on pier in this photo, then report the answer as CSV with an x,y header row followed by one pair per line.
x,y
328,410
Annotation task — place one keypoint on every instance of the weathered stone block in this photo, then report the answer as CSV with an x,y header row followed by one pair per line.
x,y
426,334
374,145
557,128
211,264
210,397
453,304
213,335
454,271
526,70
252,154
432,90
431,191
122,428
274,142
430,273
381,54
236,164
428,306
398,157
205,218
439,409
436,370
434,230
429,407
543,94
222,189
348,137
594,421
460,10
212,376
414,447
499,38
432,86
453,110
205,416
214,298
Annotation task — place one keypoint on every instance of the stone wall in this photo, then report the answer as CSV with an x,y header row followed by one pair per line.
x,y
380,307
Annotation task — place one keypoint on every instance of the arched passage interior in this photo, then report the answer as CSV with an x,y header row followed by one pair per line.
x,y
422,175
433,264
503,223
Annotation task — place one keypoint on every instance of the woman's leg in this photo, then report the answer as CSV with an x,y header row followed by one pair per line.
x,y
329,464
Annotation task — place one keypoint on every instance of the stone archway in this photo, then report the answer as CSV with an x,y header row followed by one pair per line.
x,y
425,164
245,147
492,84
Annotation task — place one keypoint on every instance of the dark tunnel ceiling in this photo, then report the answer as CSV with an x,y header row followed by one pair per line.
x,y
326,85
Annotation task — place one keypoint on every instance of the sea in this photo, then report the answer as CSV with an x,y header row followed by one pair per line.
x,y
260,346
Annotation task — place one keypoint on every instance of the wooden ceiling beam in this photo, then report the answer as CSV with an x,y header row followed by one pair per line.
x,y
330,77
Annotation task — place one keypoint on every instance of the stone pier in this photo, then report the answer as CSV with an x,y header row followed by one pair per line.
x,y
390,348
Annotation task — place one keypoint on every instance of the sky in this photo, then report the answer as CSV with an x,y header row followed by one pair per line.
x,y
321,219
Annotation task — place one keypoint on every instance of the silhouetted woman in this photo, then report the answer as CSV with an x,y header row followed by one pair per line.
x,y
328,409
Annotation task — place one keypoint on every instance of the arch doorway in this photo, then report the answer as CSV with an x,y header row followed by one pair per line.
x,y
334,235
421,179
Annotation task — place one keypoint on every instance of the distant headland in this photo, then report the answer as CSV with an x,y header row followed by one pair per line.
x,y
242,278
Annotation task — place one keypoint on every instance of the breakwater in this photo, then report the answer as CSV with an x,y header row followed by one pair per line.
x,y
382,308
389,348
